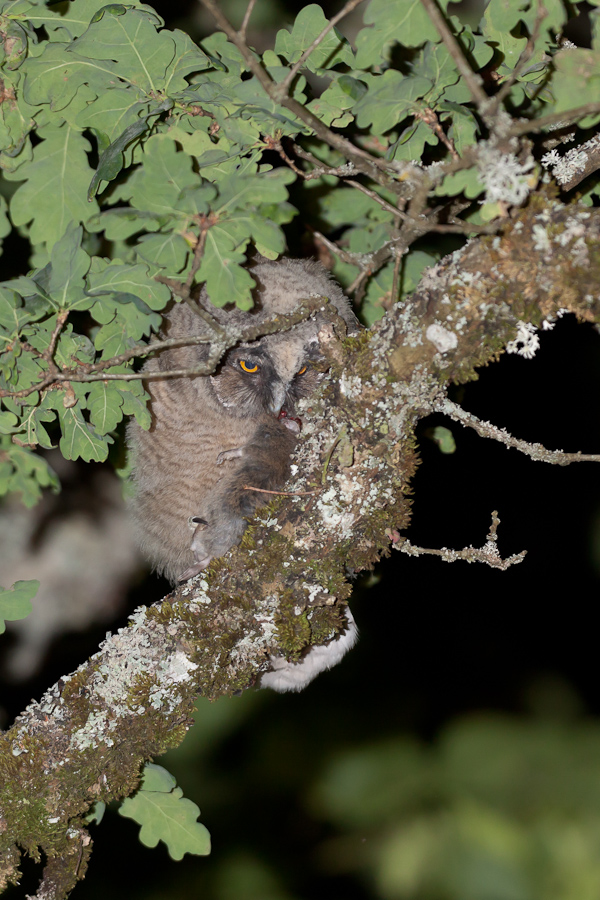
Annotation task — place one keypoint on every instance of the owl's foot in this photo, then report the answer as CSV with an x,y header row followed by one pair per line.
x,y
194,570
225,455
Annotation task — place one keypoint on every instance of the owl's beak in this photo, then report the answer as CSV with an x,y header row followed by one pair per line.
x,y
277,399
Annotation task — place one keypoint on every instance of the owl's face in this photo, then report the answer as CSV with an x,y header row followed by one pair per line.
x,y
268,375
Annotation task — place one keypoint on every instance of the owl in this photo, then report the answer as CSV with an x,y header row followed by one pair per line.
x,y
215,439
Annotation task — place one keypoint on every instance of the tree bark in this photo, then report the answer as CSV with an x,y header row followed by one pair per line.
x,y
285,587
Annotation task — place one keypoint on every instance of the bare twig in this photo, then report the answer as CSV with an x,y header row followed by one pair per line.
x,y
346,257
341,433
535,451
422,223
396,278
472,80
287,81
567,117
61,318
89,372
249,487
205,223
429,117
487,554
246,19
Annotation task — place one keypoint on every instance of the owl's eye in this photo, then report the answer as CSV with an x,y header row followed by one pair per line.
x,y
249,367
302,370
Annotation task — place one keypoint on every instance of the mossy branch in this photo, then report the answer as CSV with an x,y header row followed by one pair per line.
x,y
90,734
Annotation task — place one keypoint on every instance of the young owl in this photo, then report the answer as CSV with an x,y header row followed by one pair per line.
x,y
212,436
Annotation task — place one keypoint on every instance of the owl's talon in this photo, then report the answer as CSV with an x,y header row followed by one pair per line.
x,y
194,570
197,524
226,455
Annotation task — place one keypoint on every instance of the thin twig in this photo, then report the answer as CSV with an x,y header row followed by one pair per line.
x,y
88,372
246,19
567,117
487,554
249,487
376,168
205,223
472,80
535,451
287,81
346,257
430,118
341,433
61,318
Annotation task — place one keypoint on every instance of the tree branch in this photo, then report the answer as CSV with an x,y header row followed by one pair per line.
x,y
472,80
535,451
88,736
376,168
487,554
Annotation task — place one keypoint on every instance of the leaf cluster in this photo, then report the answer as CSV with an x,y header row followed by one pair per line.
x,y
137,164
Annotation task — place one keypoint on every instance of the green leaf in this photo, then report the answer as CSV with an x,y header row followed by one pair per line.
x,y
165,815
72,19
387,21
167,251
56,75
54,192
134,406
14,312
222,269
15,602
113,112
500,19
391,97
188,58
8,421
464,128
436,64
310,22
242,191
412,141
120,224
78,440
443,437
132,41
157,185
14,44
577,76
466,181
105,403
23,471
70,264
112,159
32,428
130,279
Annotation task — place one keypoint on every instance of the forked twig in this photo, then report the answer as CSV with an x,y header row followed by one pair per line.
x,y
487,554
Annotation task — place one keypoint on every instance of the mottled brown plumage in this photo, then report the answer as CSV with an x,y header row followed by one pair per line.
x,y
211,435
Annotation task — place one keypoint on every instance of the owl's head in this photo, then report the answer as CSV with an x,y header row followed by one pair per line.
x,y
267,376
276,371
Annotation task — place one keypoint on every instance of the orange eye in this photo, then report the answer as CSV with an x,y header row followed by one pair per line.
x,y
302,370
248,367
